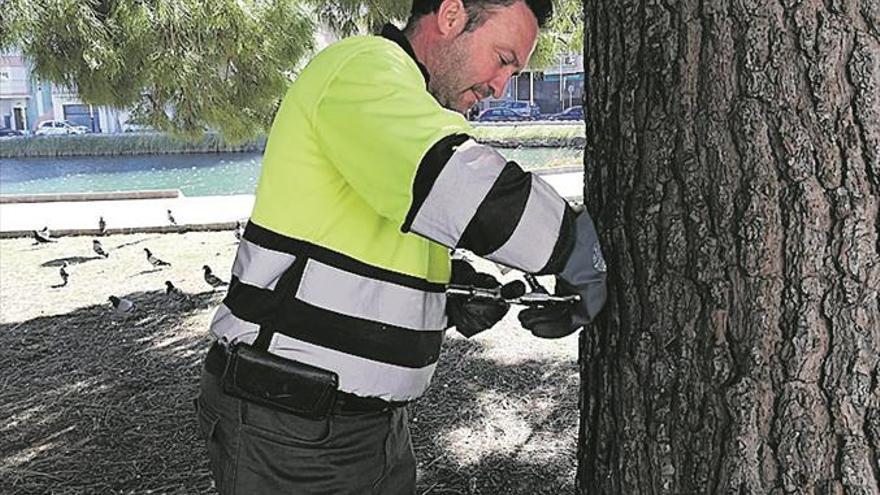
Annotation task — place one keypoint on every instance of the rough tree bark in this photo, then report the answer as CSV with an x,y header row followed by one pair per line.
x,y
733,165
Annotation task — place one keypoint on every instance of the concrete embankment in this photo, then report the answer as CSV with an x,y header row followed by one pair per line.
x,y
147,211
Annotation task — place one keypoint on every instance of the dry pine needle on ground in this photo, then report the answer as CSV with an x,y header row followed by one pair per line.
x,y
93,402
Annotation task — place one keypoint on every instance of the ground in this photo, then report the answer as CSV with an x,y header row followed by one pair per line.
x,y
91,402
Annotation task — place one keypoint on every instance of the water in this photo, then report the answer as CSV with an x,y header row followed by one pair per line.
x,y
209,174
195,175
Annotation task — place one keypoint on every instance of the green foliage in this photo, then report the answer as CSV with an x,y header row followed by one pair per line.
x,y
348,17
150,143
527,134
187,66
565,33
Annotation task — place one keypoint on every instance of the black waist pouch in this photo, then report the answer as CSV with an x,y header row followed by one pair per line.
x,y
284,384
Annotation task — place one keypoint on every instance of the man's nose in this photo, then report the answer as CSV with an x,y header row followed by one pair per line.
x,y
498,84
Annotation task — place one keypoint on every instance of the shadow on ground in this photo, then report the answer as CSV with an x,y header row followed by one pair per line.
x,y
136,242
97,404
487,428
145,272
70,260
94,403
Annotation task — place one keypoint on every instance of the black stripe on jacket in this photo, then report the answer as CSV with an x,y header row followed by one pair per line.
x,y
364,338
283,313
299,248
429,169
563,247
499,213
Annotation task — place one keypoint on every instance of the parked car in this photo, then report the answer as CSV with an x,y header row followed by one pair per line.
x,y
129,126
7,132
571,113
529,110
55,127
501,115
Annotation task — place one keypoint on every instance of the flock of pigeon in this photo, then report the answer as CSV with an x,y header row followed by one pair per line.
x,y
43,234
121,305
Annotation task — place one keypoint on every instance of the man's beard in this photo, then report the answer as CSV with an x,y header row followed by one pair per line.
x,y
447,82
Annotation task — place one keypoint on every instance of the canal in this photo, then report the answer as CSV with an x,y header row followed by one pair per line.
x,y
208,174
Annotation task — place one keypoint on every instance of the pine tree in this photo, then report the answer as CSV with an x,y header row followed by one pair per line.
x,y
733,167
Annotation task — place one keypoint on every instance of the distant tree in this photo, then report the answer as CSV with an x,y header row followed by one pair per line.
x,y
187,65
349,17
219,65
564,34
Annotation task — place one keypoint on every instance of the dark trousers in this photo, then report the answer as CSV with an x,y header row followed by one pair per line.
x,y
257,450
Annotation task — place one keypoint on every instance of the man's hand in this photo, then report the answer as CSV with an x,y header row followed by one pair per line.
x,y
472,316
584,275
556,320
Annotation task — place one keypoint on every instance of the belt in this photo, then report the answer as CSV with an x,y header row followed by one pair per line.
x,y
345,403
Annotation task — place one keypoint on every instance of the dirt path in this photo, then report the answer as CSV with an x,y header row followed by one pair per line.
x,y
93,403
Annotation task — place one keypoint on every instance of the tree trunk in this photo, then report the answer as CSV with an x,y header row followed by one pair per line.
x,y
733,167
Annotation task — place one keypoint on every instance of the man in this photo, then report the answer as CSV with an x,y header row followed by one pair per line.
x,y
337,308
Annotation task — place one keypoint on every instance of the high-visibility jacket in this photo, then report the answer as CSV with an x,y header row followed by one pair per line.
x,y
367,182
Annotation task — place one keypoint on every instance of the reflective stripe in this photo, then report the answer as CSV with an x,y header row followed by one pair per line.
x,y
357,375
350,294
532,242
258,266
226,325
457,193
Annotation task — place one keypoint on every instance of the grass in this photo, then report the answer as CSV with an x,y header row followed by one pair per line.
x,y
93,403
118,144
156,143
529,132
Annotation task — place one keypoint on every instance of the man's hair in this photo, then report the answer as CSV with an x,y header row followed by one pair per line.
x,y
478,10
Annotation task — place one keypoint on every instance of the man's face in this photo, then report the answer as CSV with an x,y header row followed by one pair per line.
x,y
470,66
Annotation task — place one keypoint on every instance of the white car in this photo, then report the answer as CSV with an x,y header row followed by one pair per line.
x,y
55,127
129,126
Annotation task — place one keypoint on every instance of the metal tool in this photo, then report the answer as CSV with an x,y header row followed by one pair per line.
x,y
512,293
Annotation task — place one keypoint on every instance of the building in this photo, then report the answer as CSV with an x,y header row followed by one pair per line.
x,y
66,105
25,101
562,85
22,103
553,89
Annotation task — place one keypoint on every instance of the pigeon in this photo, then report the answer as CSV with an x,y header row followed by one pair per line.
x,y
171,218
63,273
154,260
42,236
172,291
99,249
212,279
102,226
121,305
239,229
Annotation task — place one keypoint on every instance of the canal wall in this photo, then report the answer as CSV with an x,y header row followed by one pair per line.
x,y
133,212
502,136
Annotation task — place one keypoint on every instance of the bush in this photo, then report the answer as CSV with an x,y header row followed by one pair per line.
x,y
153,143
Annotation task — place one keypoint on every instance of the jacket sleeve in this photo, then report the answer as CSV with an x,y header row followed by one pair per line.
x,y
415,164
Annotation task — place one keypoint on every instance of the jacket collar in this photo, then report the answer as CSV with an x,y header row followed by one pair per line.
x,y
391,32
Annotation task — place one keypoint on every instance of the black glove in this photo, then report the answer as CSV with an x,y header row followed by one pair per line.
x,y
584,275
472,316
555,320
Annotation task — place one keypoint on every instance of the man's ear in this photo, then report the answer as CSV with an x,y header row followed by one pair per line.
x,y
452,18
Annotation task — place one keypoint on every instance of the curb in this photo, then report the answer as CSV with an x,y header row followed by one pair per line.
x,y
161,229
90,196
